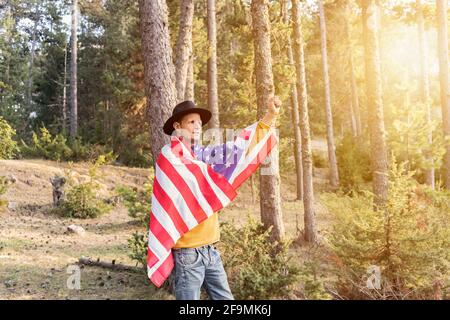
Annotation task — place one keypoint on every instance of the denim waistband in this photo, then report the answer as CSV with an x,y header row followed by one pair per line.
x,y
206,246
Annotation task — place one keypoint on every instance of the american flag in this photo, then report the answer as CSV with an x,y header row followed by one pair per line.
x,y
190,185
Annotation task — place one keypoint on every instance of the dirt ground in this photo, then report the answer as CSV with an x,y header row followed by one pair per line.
x,y
36,250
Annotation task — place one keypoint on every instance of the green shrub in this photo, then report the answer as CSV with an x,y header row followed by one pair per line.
x,y
257,267
46,146
138,204
408,240
353,160
3,189
81,199
58,148
8,147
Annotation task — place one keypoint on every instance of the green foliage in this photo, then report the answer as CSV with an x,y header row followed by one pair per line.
x,y
8,147
81,198
313,287
138,203
408,240
408,140
3,189
353,160
138,245
47,146
257,267
58,148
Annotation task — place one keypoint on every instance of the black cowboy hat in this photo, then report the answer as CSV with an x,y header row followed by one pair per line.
x,y
182,109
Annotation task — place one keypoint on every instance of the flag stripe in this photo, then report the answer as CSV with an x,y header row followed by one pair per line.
x,y
181,166
160,234
221,186
176,197
159,275
183,188
168,224
167,204
255,162
204,185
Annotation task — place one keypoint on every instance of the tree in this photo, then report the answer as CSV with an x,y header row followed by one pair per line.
x,y
444,78
213,101
310,233
183,52
334,175
73,74
378,152
297,146
424,82
159,72
271,214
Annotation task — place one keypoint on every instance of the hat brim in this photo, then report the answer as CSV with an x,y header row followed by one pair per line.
x,y
205,115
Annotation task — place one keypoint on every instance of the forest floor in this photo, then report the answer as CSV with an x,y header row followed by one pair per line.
x,y
36,249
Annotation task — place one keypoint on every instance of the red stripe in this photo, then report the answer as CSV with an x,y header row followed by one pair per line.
x,y
222,183
160,233
166,202
151,258
183,188
163,272
205,188
262,154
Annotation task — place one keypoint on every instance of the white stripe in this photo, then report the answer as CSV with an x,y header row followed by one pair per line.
x,y
151,271
157,248
164,219
176,197
190,180
245,161
219,193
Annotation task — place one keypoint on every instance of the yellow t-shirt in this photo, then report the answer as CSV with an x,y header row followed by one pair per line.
x,y
208,231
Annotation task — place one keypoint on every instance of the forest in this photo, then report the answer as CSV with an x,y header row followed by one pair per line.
x,y
358,206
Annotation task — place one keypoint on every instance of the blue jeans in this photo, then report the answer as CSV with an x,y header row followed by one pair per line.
x,y
196,268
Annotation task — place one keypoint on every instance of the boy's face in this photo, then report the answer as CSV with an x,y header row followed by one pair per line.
x,y
191,125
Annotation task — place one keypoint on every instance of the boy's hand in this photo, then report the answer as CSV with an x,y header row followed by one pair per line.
x,y
274,105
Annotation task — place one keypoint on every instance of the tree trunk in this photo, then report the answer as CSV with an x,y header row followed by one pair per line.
x,y
354,104
295,118
378,153
183,48
334,175
270,202
159,71
31,62
64,102
444,82
213,100
73,75
190,80
307,162
425,83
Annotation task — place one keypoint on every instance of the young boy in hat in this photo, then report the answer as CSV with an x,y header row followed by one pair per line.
x,y
197,262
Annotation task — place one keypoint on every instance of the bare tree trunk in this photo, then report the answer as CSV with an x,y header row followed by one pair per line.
x,y
297,145
190,80
334,175
444,82
270,201
425,83
183,48
307,162
213,100
354,104
64,102
73,75
159,71
31,62
374,101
